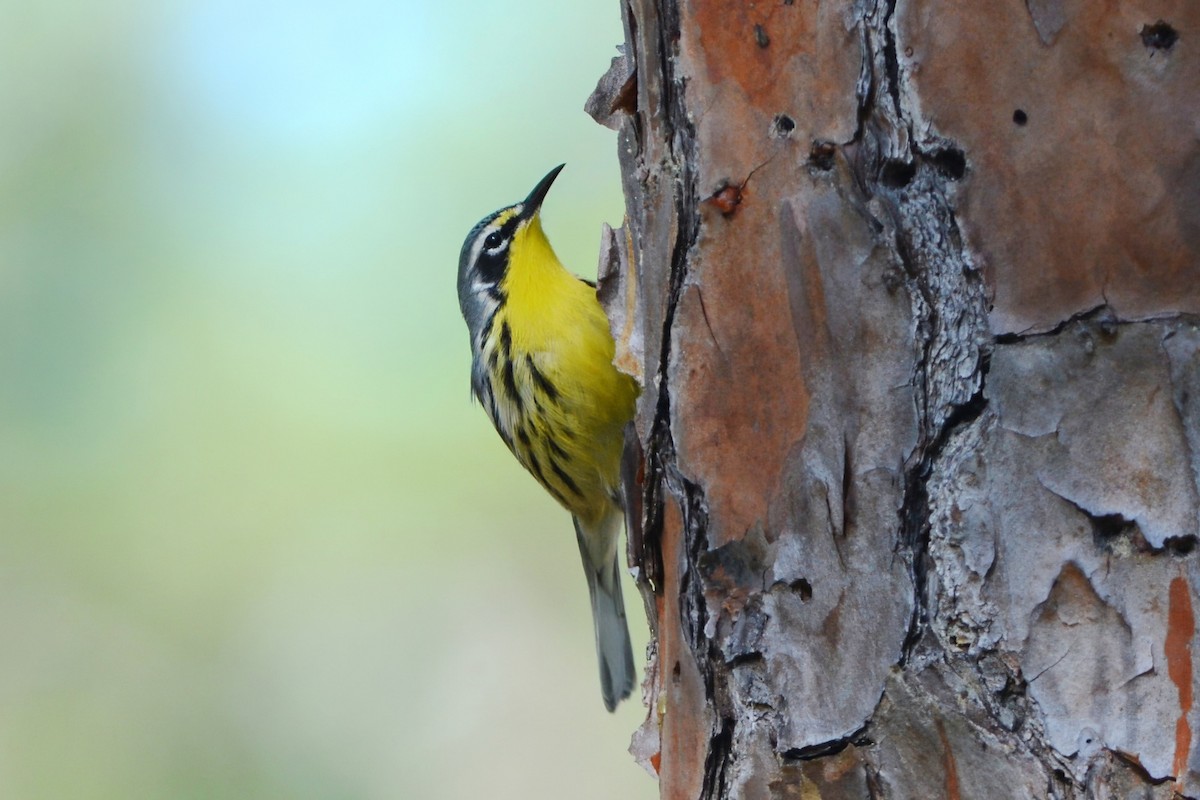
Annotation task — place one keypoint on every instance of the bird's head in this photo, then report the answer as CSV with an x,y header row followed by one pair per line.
x,y
492,246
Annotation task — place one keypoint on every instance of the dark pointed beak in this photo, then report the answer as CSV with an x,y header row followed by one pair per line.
x,y
534,201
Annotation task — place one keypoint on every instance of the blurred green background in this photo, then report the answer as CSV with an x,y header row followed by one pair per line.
x,y
255,540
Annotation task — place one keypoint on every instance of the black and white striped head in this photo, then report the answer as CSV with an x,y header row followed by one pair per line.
x,y
487,253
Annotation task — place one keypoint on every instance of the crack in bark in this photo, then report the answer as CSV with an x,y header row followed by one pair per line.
x,y
717,762
1104,316
832,747
911,182
660,454
915,522
693,608
890,59
949,305
663,475
1131,761
1108,530
1102,313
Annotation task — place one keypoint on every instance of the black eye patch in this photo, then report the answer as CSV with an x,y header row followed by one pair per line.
x,y
493,256
491,266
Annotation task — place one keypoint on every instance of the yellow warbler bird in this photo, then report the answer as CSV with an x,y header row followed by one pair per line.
x,y
542,368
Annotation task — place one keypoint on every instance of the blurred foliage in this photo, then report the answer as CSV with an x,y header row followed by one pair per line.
x,y
255,541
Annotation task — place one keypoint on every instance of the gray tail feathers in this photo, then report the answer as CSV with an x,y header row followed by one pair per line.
x,y
598,548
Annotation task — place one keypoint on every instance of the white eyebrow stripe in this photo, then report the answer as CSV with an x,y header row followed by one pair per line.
x,y
477,247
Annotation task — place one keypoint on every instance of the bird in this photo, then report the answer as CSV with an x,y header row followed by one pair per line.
x,y
542,368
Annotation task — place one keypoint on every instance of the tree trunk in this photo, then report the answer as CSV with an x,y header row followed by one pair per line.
x,y
912,289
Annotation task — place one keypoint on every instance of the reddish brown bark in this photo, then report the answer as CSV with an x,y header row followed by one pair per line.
x,y
913,292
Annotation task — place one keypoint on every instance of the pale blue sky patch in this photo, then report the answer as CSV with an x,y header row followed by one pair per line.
x,y
307,73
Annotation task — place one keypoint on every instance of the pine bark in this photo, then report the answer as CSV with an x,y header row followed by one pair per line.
x,y
913,293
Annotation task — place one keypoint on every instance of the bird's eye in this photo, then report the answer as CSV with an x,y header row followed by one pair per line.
x,y
493,240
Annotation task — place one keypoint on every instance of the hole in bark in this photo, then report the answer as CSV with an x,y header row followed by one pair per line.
x,y
803,588
1121,536
821,155
951,162
1109,526
1108,323
783,125
1159,36
897,174
1112,532
675,672
1020,117
1013,687
726,198
1180,545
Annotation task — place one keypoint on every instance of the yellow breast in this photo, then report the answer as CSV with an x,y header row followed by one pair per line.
x,y
560,403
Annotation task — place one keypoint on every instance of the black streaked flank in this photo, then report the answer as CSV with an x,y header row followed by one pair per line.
x,y
485,332
510,386
523,436
506,340
510,379
557,449
542,383
565,478
536,468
